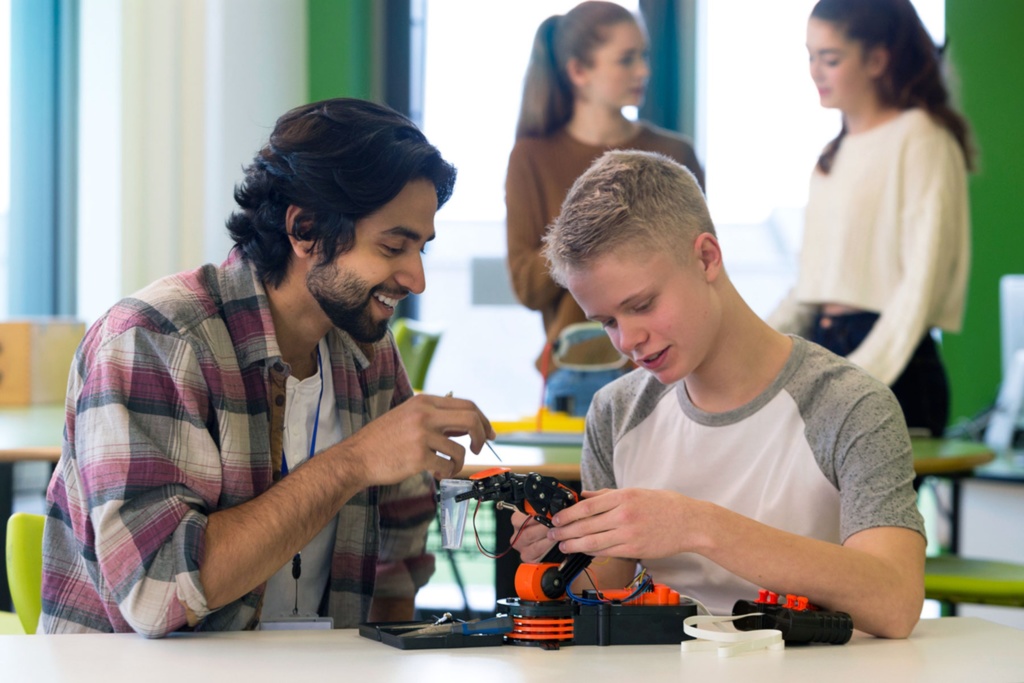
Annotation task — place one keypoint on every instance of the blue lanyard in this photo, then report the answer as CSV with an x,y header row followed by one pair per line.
x,y
316,422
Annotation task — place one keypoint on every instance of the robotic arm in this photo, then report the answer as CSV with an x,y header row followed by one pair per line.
x,y
643,613
545,612
541,498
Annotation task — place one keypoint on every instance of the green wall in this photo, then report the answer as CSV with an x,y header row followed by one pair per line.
x,y
340,48
985,52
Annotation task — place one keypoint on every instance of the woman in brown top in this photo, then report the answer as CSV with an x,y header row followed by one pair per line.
x,y
585,67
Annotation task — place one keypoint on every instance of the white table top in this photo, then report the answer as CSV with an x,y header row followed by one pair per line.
x,y
949,649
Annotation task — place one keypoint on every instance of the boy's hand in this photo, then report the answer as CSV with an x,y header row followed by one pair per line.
x,y
640,523
533,543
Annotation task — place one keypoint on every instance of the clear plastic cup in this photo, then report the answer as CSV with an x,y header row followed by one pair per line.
x,y
453,513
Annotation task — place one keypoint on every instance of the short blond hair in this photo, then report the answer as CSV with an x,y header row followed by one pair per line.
x,y
641,202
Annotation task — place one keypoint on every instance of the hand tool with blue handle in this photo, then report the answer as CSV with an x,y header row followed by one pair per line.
x,y
491,626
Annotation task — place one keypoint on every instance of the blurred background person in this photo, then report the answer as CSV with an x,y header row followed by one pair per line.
x,y
886,243
585,67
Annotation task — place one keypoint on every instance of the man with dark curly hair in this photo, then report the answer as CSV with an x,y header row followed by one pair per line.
x,y
242,444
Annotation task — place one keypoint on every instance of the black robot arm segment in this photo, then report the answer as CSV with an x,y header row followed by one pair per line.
x,y
539,496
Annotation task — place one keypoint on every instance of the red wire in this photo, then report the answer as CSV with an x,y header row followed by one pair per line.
x,y
480,546
593,583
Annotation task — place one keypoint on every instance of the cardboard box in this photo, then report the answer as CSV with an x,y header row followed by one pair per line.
x,y
35,359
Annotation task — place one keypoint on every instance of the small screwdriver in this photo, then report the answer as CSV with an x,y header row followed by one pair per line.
x,y
494,625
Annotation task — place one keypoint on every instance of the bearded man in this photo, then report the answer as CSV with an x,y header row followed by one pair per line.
x,y
242,445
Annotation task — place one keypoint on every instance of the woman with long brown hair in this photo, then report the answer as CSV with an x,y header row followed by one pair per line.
x,y
886,245
585,67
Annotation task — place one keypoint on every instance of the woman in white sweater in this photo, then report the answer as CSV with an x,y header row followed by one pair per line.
x,y
886,247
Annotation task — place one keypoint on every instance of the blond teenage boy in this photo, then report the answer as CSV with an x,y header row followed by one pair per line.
x,y
734,457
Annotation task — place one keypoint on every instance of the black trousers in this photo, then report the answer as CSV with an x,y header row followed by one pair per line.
x,y
922,389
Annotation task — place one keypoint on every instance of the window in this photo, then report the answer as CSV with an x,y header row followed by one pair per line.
x,y
5,146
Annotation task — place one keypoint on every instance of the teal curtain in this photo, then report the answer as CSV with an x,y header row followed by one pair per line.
x,y
44,52
671,92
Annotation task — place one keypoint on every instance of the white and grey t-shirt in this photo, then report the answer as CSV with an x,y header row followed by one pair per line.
x,y
823,452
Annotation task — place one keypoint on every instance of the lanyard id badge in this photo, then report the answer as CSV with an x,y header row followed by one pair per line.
x,y
296,621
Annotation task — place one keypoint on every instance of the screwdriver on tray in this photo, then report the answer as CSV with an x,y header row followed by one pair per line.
x,y
493,625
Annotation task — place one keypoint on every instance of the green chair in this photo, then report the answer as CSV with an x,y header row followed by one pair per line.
x,y
416,344
25,567
952,579
10,624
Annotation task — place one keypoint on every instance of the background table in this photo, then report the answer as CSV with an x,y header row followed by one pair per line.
x,y
559,461
939,651
1007,466
931,456
948,456
540,438
952,459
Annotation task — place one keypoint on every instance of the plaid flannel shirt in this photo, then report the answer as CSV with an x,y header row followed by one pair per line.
x,y
175,410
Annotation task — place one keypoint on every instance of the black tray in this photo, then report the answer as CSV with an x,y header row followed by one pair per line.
x,y
390,633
